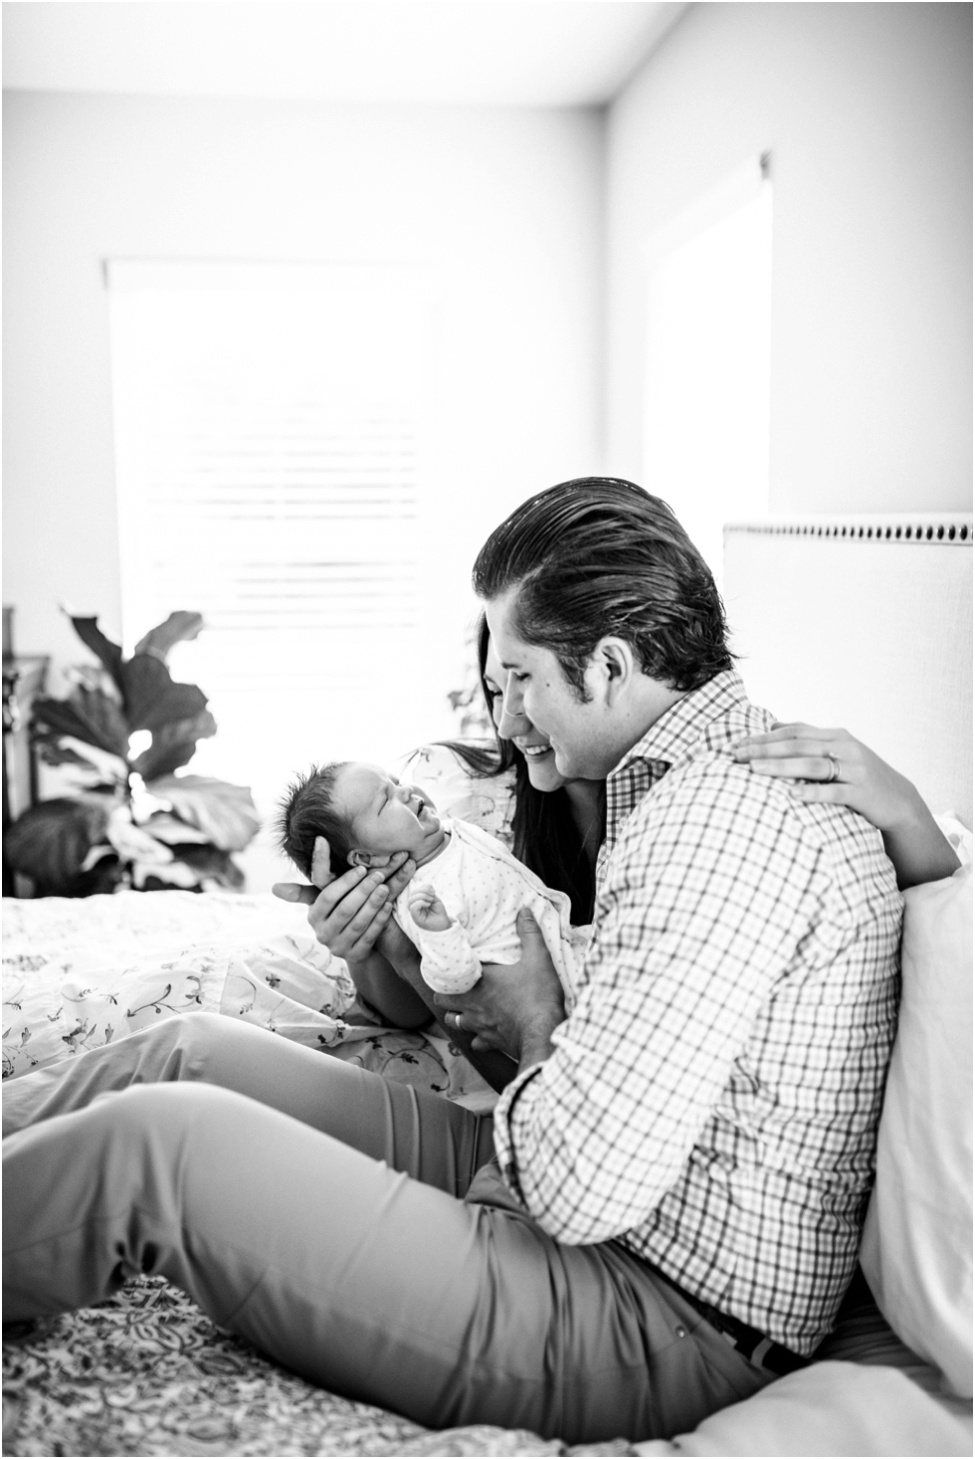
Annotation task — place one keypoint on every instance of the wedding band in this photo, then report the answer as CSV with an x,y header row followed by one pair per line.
x,y
456,1019
834,769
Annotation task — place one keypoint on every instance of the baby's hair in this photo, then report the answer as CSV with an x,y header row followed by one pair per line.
x,y
308,811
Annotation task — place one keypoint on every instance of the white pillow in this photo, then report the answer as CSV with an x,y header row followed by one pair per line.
x,y
917,1246
829,1409
958,836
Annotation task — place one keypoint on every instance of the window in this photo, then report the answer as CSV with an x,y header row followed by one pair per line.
x,y
708,359
271,433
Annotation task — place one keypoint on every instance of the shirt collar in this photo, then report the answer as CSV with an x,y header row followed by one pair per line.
x,y
676,735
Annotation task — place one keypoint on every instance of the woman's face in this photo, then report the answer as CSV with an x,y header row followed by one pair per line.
x,y
539,755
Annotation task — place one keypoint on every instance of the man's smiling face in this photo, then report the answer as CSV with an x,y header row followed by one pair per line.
x,y
537,689
384,816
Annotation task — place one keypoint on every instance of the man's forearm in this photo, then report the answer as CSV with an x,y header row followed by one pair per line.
x,y
491,1064
536,1047
379,984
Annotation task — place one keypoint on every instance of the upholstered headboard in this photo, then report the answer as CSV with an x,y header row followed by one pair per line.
x,y
863,622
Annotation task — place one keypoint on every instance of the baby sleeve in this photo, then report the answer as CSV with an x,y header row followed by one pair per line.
x,y
447,960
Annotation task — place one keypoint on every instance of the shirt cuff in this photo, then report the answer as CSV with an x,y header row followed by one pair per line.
x,y
504,1131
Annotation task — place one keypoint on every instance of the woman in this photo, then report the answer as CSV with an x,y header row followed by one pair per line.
x,y
514,791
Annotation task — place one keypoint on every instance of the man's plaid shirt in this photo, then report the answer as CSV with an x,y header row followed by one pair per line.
x,y
712,1101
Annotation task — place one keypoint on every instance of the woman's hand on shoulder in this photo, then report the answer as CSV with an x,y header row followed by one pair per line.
x,y
349,913
830,765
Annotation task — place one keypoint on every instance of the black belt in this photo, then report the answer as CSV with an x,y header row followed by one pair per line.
x,y
753,1345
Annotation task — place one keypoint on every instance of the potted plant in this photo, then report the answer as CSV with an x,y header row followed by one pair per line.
x,y
126,729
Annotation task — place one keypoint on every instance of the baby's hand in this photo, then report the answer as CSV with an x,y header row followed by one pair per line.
x,y
427,910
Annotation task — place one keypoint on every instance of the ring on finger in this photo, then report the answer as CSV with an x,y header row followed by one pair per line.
x,y
455,1019
834,769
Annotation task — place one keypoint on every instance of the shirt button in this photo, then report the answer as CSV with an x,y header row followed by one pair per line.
x,y
682,1332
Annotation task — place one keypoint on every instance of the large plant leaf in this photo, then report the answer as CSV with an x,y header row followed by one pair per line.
x,y
103,879
153,698
95,769
50,842
132,842
173,832
144,854
92,676
61,752
211,867
174,745
87,715
148,876
225,813
110,653
177,627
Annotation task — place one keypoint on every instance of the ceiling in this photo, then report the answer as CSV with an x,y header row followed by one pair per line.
x,y
485,52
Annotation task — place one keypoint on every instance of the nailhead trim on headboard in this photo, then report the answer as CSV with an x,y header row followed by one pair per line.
x,y
948,528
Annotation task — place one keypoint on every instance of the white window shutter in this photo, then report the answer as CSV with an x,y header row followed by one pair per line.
x,y
271,425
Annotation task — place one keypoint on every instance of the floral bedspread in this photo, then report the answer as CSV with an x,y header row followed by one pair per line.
x,y
79,973
147,1373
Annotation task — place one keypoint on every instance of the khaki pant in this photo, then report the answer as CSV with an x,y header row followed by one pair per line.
x,y
334,1220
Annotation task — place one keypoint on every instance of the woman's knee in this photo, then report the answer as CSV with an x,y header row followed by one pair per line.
x,y
202,1026
182,1047
193,1039
163,1113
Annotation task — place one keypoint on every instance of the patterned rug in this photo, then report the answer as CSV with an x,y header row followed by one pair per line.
x,y
147,1373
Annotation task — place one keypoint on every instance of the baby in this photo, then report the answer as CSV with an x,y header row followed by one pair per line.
x,y
460,909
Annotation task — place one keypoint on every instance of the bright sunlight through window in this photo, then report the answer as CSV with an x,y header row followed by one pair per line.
x,y
271,426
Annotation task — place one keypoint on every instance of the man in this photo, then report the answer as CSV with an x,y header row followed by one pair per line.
x,y
712,1101
682,1164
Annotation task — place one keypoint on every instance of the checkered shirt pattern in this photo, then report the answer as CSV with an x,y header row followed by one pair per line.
x,y
712,1101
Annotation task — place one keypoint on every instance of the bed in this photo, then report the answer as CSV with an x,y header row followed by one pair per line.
x,y
864,622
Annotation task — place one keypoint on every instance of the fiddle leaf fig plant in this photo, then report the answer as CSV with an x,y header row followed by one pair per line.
x,y
124,731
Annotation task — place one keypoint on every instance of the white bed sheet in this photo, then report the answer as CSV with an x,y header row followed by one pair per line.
x,y
79,973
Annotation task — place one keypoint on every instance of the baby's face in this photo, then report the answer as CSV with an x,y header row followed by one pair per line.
x,y
384,816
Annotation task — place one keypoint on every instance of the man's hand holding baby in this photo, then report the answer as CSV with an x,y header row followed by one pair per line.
x,y
514,1007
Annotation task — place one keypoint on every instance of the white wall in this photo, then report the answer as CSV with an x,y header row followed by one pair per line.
x,y
866,109
505,204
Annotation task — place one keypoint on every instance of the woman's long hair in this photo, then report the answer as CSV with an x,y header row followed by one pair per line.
x,y
545,836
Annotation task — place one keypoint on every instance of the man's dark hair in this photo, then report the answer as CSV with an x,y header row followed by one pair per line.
x,y
307,811
600,556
